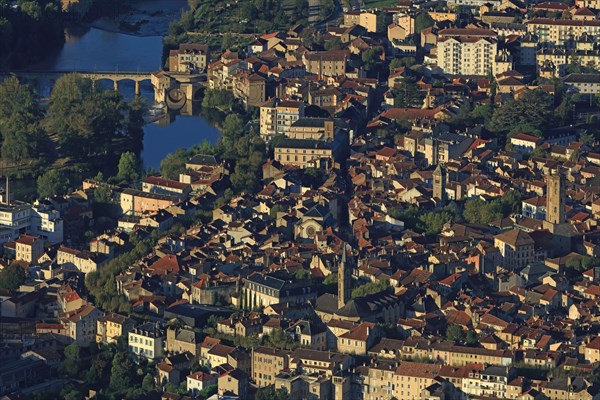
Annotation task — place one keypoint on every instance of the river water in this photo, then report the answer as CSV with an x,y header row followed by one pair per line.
x,y
106,49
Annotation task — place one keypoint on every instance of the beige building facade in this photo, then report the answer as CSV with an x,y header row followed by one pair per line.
x,y
467,51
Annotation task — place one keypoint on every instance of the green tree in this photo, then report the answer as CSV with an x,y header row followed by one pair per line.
x,y
335,43
121,372
71,363
478,211
148,383
371,57
20,117
174,164
455,333
84,118
369,288
52,183
482,114
302,274
91,376
130,168
330,284
407,94
402,62
278,338
534,109
277,208
227,41
72,394
410,216
471,338
588,139
582,263
208,391
216,98
12,277
511,202
270,393
433,222
232,128
103,194
423,21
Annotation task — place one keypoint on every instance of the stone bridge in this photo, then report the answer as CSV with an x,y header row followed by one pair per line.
x,y
114,76
174,86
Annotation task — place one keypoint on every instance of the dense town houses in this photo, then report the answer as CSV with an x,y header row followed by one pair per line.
x,y
417,218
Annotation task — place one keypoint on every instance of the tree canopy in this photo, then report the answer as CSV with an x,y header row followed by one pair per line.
x,y
174,164
31,31
430,222
270,393
12,277
52,183
130,168
369,288
531,112
423,21
477,211
20,117
407,94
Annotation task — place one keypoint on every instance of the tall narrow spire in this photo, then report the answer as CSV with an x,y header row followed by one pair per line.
x,y
344,279
439,184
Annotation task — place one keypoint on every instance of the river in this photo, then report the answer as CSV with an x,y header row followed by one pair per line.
x,y
102,47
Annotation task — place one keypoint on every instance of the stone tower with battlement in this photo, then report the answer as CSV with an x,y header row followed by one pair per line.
x,y
555,199
563,232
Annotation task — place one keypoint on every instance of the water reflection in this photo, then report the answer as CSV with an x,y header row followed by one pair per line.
x,y
176,130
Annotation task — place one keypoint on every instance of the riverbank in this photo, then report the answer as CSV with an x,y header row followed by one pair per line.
x,y
145,18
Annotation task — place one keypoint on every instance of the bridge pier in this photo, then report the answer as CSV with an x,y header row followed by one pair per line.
x,y
116,85
137,89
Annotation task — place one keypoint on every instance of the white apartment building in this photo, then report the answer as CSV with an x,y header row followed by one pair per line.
x,y
39,220
277,117
14,220
467,51
46,223
147,341
560,31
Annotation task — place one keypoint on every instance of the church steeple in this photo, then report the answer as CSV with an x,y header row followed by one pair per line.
x,y
344,280
439,184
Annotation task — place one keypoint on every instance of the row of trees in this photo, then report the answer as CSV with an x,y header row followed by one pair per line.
x,y
101,284
107,369
475,211
56,182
